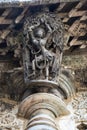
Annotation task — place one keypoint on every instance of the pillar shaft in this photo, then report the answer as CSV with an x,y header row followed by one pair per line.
x,y
40,119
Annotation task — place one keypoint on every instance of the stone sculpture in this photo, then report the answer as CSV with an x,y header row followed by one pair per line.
x,y
43,46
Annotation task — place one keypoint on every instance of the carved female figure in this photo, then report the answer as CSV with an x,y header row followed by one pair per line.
x,y
44,43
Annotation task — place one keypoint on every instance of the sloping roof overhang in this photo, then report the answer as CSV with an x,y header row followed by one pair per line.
x,y
17,3
72,12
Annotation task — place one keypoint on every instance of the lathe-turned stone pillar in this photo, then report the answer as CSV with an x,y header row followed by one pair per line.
x,y
42,109
43,101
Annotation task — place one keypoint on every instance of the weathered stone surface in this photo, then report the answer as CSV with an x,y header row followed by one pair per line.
x,y
78,66
75,61
8,117
79,104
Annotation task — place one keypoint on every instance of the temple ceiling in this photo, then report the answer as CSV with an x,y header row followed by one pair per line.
x,y
73,14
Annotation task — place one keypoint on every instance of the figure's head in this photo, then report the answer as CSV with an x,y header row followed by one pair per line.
x,y
39,32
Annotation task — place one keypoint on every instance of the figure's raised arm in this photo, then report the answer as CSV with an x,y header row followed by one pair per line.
x,y
48,27
34,26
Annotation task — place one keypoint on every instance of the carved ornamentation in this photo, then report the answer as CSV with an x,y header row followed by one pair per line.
x,y
43,46
80,107
8,118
